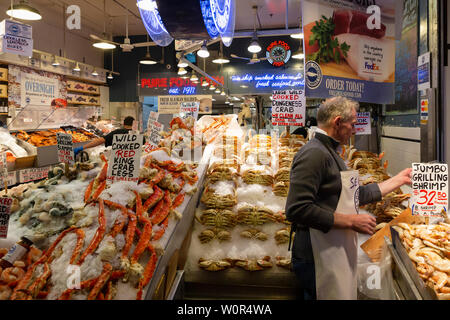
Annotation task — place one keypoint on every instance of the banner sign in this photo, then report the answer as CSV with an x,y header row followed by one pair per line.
x,y
350,49
288,108
430,189
38,90
172,104
5,211
124,162
363,125
65,148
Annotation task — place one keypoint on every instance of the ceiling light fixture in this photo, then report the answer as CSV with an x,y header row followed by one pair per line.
x,y
203,52
254,46
298,55
223,93
77,68
55,62
217,90
110,76
147,59
194,77
212,87
205,83
182,71
104,45
23,11
221,59
297,35
94,73
182,64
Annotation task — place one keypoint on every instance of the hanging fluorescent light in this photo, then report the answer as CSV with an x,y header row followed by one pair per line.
x,y
194,77
181,71
94,73
147,59
254,46
110,76
104,45
297,35
203,52
55,62
221,60
182,64
23,11
148,5
77,68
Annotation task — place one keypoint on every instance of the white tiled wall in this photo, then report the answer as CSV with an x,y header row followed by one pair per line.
x,y
400,153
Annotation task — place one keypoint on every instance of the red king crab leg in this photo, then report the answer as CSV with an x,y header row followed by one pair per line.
x,y
157,195
148,272
99,234
102,279
79,245
158,216
83,285
157,235
40,282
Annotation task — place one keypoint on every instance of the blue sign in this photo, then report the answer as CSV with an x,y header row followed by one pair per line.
x,y
266,82
153,23
183,91
219,16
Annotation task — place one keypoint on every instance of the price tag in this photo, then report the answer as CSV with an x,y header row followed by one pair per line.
x,y
11,178
430,189
65,148
153,136
33,174
190,109
5,211
124,162
3,165
363,126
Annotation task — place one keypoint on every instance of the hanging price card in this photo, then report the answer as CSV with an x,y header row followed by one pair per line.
x,y
430,189
5,210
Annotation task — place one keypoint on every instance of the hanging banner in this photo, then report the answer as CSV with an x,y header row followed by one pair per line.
x,y
350,49
65,148
172,104
430,189
288,108
124,163
5,210
363,126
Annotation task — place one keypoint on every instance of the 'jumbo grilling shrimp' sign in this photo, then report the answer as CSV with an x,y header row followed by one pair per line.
x,y
430,189
124,162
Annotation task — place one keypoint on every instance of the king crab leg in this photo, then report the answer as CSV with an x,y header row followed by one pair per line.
x,y
153,199
79,245
148,272
157,235
102,279
99,234
159,216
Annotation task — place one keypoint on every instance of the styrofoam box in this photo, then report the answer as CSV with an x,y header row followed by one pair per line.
x,y
14,28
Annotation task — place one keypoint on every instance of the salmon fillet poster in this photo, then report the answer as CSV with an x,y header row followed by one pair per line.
x,y
350,49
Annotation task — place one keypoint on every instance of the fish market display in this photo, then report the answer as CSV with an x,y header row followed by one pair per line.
x,y
48,137
212,127
181,135
112,231
241,225
428,246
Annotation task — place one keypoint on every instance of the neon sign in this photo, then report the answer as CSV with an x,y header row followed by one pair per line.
x,y
278,53
183,91
270,80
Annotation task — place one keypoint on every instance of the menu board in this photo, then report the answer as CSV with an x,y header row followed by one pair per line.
x,y
430,189
350,49
124,162
288,108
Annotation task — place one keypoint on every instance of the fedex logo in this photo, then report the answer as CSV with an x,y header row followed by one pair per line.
x,y
371,66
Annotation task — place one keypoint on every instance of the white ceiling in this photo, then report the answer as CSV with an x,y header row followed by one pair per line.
x,y
272,14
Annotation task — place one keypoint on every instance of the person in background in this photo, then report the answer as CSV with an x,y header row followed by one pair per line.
x,y
107,140
304,130
323,203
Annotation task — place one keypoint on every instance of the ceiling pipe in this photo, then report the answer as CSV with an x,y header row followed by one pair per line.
x,y
287,15
200,71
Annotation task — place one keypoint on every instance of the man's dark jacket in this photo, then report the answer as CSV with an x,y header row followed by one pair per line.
x,y
315,187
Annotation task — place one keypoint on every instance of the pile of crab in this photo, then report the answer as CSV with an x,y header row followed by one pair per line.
x,y
372,170
113,237
181,135
428,246
241,222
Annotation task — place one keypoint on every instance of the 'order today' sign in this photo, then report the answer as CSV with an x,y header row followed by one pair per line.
x,y
430,189
124,162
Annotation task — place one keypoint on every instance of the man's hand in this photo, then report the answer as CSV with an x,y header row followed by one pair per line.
x,y
404,177
77,150
362,223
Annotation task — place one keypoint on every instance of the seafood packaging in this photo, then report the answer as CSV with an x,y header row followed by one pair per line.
x,y
112,231
428,247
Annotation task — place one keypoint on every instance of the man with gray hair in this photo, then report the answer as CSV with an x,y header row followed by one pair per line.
x,y
323,203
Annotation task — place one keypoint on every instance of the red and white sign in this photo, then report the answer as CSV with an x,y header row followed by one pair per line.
x,y
33,174
153,136
430,189
65,148
363,126
124,162
288,108
5,211
190,109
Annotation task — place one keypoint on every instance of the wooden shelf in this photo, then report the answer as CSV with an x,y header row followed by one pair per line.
x,y
82,91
